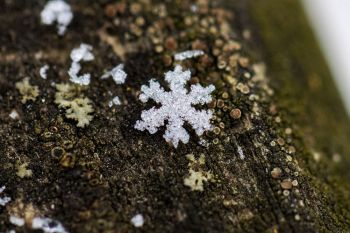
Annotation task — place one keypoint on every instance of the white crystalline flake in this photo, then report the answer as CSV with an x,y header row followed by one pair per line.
x,y
177,107
14,114
16,221
118,74
188,54
59,11
114,101
137,220
43,71
83,53
4,200
48,225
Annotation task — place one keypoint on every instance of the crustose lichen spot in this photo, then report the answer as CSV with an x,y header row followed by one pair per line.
x,y
77,107
177,107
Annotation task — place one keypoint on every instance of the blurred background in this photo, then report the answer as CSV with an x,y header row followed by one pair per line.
x,y
331,23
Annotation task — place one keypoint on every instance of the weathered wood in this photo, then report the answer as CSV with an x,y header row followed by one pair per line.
x,y
277,158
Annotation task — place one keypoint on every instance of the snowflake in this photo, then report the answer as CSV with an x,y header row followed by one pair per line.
x,y
117,73
57,10
83,53
188,54
4,200
43,71
48,225
177,107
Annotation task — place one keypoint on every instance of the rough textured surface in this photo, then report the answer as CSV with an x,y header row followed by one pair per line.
x,y
277,159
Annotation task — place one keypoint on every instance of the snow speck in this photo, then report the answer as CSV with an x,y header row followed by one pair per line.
x,y
188,54
16,221
43,71
83,53
48,225
117,73
137,220
14,114
114,101
59,11
4,200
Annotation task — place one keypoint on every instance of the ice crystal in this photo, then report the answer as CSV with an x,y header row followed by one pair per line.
x,y
17,221
83,53
114,101
48,225
188,54
137,220
177,107
59,11
43,71
4,200
117,73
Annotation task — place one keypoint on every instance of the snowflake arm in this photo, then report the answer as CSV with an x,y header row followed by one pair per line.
x,y
153,91
177,79
200,120
201,95
175,132
152,119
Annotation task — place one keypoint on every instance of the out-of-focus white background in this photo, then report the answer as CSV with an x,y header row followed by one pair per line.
x,y
330,20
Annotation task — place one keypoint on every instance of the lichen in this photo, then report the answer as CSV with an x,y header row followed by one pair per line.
x,y
22,170
197,176
76,105
27,91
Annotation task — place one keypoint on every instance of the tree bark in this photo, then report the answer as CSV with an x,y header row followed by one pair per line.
x,y
276,160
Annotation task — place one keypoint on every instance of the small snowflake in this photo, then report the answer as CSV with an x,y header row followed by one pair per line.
x,y
48,225
117,73
188,54
43,71
4,200
57,10
83,53
177,107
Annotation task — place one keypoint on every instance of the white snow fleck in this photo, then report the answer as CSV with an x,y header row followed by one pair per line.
x,y
177,107
14,114
137,220
48,225
4,200
59,11
114,101
240,152
188,54
83,53
16,221
43,71
118,74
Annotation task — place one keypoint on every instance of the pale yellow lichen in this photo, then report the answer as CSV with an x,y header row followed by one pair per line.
x,y
27,91
22,170
196,175
78,107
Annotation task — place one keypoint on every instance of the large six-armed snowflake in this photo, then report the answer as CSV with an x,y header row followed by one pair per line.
x,y
177,107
